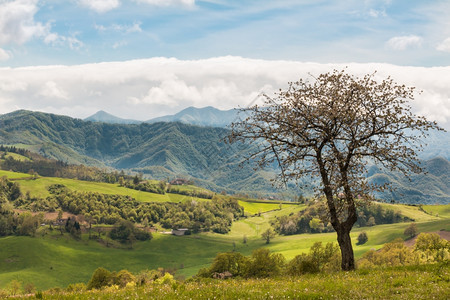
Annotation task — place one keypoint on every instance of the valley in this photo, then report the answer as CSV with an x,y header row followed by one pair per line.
x,y
50,259
53,257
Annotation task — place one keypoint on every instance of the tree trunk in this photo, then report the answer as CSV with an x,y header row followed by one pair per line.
x,y
345,243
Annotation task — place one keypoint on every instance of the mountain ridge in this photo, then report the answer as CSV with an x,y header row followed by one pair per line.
x,y
203,116
103,116
172,149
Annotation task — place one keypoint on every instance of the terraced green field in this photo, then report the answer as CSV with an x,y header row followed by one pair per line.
x,y
13,175
38,188
442,211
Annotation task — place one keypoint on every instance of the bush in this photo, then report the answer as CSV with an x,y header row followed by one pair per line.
x,y
166,279
147,276
122,278
233,262
264,264
362,238
394,253
126,232
319,259
76,287
411,231
431,248
301,264
99,279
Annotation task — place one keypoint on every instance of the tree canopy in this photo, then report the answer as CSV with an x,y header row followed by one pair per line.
x,y
330,128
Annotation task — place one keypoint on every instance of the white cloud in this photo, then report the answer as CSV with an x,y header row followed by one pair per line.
x,y
444,46
56,39
100,6
405,42
119,44
52,90
188,3
135,27
377,13
17,24
4,55
12,85
142,89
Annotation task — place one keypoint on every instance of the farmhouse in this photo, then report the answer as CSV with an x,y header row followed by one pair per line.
x,y
179,231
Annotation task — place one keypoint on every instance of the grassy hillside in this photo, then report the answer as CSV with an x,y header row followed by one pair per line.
x,y
38,188
50,260
430,188
422,282
160,150
55,260
58,261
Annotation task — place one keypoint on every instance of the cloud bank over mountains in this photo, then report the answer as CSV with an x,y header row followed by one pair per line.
x,y
147,88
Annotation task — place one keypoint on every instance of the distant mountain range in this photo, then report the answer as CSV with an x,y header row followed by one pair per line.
x,y
175,149
206,116
103,116
160,150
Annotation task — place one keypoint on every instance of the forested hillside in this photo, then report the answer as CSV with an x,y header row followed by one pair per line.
x,y
159,150
171,149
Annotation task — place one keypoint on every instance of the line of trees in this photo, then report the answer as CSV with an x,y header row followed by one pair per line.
x,y
39,165
216,215
315,219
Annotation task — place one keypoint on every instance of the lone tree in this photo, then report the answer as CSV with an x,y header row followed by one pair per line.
x,y
411,231
268,235
329,129
362,238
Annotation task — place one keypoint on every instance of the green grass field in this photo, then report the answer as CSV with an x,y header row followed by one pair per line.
x,y
253,208
55,260
13,175
442,211
38,188
58,261
16,156
412,282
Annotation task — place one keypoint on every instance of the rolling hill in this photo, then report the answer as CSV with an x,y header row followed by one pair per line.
x,y
206,116
159,150
103,116
175,149
431,187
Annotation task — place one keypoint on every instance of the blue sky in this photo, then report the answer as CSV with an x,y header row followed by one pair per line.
x,y
145,58
399,32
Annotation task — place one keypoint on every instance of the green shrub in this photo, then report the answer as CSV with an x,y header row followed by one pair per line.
x,y
233,262
411,231
301,264
147,276
166,279
122,278
362,238
99,279
76,287
394,253
265,264
431,248
319,259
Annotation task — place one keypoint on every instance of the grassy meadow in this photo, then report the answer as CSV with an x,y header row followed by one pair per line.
x,y
38,188
418,282
54,260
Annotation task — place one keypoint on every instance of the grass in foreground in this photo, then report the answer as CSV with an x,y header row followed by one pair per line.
x,y
414,282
